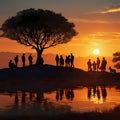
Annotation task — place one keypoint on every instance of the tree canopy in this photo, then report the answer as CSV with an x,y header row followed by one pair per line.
x,y
116,59
40,29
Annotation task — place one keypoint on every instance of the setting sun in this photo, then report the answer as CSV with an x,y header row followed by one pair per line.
x,y
96,51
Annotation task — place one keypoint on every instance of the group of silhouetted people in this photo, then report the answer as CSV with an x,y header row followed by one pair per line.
x,y
96,65
14,64
68,61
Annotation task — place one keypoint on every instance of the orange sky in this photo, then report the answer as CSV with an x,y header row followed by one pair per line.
x,y
98,26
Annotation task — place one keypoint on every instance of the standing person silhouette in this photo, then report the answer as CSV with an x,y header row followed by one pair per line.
x,y
98,63
61,60
89,65
16,60
57,60
30,59
68,61
72,60
103,64
23,59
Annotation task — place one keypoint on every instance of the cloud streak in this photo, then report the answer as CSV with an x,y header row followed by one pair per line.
x,y
106,35
111,10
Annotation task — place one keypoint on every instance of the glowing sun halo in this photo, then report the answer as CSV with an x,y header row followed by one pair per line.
x,y
96,51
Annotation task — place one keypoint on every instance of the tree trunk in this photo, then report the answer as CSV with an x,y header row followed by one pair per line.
x,y
39,57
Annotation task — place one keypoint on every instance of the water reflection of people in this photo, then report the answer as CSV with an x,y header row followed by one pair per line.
x,y
96,91
37,96
104,92
89,92
69,93
59,94
30,96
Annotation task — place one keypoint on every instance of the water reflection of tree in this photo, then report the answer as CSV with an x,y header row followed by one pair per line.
x,y
69,94
97,91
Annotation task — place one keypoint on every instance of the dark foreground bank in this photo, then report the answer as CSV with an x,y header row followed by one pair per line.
x,y
48,77
112,115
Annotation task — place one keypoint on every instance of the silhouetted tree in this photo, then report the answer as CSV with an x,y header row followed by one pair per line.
x,y
116,60
39,29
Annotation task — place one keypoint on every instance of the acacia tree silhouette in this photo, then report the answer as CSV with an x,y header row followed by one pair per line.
x,y
40,29
116,59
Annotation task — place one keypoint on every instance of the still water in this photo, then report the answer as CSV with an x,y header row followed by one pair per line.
x,y
81,99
